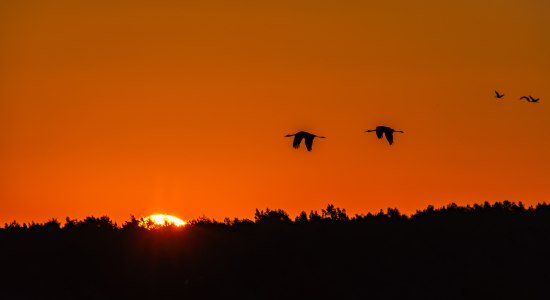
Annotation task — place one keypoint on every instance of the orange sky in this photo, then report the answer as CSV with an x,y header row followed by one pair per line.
x,y
136,107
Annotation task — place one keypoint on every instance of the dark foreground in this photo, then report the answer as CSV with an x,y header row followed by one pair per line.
x,y
499,251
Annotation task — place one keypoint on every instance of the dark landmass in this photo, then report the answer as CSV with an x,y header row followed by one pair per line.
x,y
498,251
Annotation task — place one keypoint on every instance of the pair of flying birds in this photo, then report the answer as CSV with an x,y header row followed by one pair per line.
x,y
528,98
308,137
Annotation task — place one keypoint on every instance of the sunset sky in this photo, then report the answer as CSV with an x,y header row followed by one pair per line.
x,y
136,107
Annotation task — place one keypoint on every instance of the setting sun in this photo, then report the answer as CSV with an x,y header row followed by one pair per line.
x,y
163,220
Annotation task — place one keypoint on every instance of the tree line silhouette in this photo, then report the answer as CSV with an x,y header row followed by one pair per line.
x,y
496,251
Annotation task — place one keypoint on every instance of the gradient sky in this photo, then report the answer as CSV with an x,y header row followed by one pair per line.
x,y
126,107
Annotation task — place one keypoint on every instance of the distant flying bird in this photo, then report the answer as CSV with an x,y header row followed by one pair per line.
x,y
302,135
384,130
498,95
530,99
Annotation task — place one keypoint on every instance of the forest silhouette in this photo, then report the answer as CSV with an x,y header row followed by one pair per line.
x,y
491,251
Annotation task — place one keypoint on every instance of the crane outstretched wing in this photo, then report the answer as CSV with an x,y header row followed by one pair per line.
x,y
525,97
309,142
297,140
389,137
379,132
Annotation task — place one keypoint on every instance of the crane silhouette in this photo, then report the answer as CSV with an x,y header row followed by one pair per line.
x,y
384,130
302,135
530,99
497,95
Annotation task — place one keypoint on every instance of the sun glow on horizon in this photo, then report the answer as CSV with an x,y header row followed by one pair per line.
x,y
162,220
